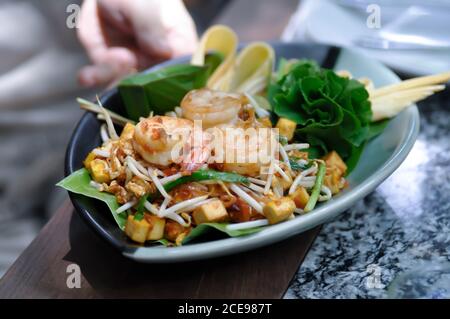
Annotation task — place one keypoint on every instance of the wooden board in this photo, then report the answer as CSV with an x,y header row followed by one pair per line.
x,y
40,272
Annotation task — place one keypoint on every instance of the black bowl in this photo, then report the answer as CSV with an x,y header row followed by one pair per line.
x,y
87,136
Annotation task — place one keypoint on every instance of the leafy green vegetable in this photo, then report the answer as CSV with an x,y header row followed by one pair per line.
x,y
316,189
208,174
160,91
202,229
296,166
79,182
332,112
140,208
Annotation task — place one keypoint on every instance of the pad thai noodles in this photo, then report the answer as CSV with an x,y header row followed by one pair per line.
x,y
244,149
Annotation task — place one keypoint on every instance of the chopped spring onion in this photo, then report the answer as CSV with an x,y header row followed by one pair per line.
x,y
300,164
317,187
140,208
244,196
247,225
207,174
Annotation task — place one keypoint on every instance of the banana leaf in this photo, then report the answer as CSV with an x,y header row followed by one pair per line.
x,y
79,183
160,91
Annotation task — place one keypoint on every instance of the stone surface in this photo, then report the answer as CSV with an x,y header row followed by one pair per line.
x,y
395,242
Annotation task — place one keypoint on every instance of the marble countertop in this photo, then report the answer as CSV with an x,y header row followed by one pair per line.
x,y
395,242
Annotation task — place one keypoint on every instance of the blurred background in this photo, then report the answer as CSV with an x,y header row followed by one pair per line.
x,y
40,57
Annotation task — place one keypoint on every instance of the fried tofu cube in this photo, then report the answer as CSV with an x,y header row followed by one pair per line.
x,y
334,161
88,160
278,210
333,181
265,121
157,226
286,128
137,230
300,197
212,212
127,132
99,171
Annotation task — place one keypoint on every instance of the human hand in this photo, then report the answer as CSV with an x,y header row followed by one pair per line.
x,y
122,36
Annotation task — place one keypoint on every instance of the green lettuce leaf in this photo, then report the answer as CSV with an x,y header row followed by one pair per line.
x,y
79,182
331,112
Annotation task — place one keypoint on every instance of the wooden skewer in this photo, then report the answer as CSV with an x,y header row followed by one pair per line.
x,y
412,83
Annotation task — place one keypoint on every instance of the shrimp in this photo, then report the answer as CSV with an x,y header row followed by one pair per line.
x,y
163,140
246,152
155,138
213,108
